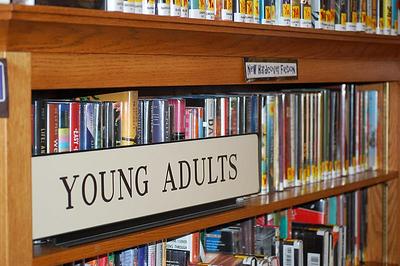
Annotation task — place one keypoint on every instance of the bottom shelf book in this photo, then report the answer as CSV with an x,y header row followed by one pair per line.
x,y
329,231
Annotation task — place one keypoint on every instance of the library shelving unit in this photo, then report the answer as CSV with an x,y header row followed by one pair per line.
x,y
53,48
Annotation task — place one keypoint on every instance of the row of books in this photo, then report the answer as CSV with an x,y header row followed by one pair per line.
x,y
305,135
330,231
194,117
372,16
309,136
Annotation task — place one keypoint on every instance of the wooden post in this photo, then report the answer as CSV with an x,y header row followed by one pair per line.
x,y
15,165
393,194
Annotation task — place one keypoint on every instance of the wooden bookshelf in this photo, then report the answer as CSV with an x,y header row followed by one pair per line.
x,y
252,207
53,48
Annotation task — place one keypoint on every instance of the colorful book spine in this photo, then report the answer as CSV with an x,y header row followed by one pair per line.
x,y
351,15
239,10
177,109
74,126
210,9
283,12
264,161
395,18
109,125
63,127
226,10
373,129
197,9
175,8
379,17
387,17
184,8
52,128
295,13
361,15
340,15
249,11
305,14
87,126
256,11
368,28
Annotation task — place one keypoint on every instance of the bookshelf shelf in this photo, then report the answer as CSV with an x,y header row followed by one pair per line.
x,y
253,206
69,45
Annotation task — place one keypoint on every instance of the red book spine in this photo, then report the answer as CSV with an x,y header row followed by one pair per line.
x,y
195,256
52,127
74,126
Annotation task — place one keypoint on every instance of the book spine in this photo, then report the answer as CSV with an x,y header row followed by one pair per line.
x,y
163,7
184,8
129,118
52,128
63,127
98,125
148,7
114,5
108,127
210,116
151,255
233,115
264,106
117,123
210,9
74,126
295,13
387,17
239,10
128,6
40,134
158,119
175,8
275,147
178,121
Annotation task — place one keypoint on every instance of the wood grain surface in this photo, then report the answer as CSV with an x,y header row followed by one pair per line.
x,y
71,30
60,71
15,166
394,188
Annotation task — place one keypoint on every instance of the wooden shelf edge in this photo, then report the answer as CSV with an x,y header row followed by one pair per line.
x,y
44,29
100,17
253,206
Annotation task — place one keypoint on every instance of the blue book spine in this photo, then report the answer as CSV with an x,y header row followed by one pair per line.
x,y
373,127
142,256
262,11
332,210
87,126
394,17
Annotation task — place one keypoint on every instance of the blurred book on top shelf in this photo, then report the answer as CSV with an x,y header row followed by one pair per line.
x,y
336,236
371,16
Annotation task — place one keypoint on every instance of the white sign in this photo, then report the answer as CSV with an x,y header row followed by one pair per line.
x,y
74,191
269,70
